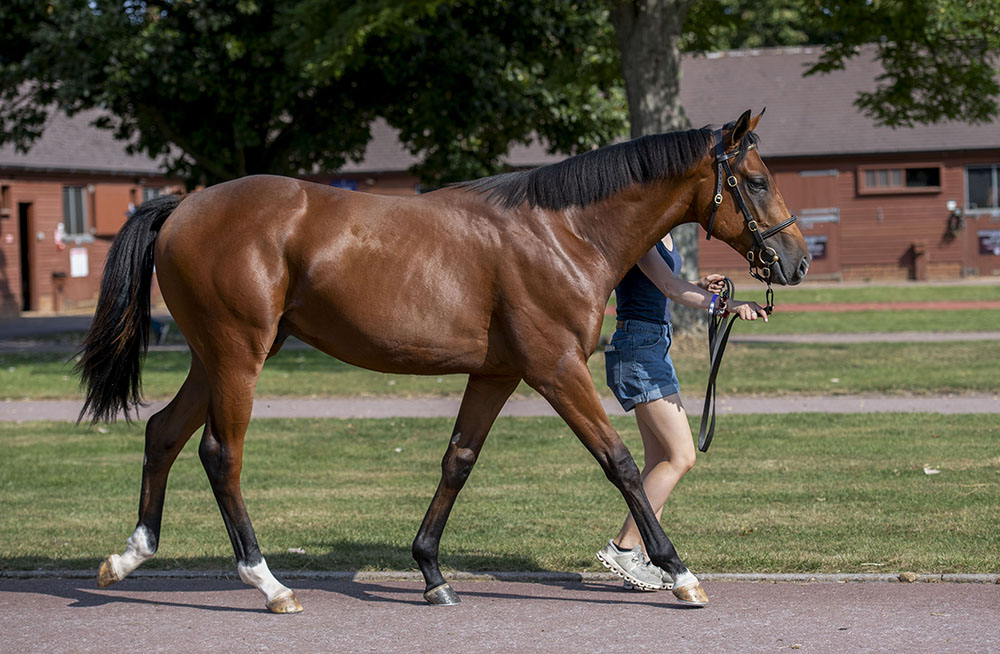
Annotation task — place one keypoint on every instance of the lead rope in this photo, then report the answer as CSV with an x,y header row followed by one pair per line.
x,y
717,339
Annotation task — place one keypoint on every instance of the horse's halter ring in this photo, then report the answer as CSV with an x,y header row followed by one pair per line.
x,y
761,257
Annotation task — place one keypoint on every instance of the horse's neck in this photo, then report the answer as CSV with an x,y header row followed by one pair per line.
x,y
629,223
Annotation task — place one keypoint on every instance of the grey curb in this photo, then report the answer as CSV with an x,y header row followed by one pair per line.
x,y
541,576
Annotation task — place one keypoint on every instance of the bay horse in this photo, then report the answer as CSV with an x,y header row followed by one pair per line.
x,y
504,278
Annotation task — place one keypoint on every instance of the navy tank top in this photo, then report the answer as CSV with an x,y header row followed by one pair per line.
x,y
639,298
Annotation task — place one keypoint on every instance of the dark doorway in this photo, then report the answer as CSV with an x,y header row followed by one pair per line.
x,y
25,231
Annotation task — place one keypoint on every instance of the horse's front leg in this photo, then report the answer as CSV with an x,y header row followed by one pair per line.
x,y
484,397
569,388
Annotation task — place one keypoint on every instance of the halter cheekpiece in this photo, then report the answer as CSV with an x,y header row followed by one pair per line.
x,y
760,257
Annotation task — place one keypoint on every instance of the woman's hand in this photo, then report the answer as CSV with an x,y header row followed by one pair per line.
x,y
713,283
746,310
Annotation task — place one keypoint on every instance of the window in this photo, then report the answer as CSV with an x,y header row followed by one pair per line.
x,y
982,188
4,201
149,193
902,179
75,211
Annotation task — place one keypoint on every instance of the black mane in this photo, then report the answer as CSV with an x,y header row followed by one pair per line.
x,y
593,176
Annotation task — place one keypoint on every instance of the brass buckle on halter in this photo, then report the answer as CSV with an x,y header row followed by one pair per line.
x,y
718,199
774,256
752,225
731,180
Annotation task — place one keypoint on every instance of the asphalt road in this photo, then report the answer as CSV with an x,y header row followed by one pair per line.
x,y
212,615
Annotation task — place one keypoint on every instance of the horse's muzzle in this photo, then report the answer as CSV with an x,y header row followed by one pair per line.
x,y
779,275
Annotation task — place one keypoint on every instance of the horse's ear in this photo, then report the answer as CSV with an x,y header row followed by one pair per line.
x,y
756,119
739,130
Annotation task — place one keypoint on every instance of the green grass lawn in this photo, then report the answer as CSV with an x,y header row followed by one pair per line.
x,y
749,289
799,493
874,293
857,322
800,322
748,368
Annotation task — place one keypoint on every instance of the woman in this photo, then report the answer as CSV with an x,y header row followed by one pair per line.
x,y
641,375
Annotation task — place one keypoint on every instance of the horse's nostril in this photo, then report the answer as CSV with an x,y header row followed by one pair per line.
x,y
803,267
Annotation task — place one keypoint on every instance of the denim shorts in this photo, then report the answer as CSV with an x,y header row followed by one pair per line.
x,y
638,365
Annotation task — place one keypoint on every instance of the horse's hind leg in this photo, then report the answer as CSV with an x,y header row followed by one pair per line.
x,y
166,433
232,380
484,397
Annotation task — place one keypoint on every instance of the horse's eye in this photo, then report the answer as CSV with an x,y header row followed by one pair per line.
x,y
756,183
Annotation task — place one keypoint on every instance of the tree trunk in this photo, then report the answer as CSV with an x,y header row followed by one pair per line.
x,y
649,34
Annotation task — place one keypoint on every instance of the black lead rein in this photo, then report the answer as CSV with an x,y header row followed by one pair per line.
x,y
717,339
760,257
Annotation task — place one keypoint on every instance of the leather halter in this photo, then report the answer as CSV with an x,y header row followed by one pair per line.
x,y
760,265
760,269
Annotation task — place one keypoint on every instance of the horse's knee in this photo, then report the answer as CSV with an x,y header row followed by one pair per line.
x,y
213,455
620,468
457,464
208,450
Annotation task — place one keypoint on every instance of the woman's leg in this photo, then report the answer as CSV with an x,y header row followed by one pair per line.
x,y
669,453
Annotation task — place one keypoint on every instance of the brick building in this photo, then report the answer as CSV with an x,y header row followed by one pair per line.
x,y
873,202
60,206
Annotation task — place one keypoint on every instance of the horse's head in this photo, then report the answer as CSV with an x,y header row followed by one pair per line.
x,y
739,203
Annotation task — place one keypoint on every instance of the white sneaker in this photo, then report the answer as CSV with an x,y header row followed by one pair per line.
x,y
631,566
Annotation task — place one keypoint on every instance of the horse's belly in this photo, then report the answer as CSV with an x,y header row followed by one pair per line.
x,y
403,343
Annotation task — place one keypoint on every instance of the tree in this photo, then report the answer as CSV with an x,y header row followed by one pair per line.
x,y
464,80
939,57
205,86
649,41
224,88
233,87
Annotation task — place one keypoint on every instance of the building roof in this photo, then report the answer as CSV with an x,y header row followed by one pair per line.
x,y
73,144
806,116
386,153
810,116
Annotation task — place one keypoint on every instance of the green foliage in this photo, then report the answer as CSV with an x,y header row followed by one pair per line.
x,y
714,25
464,80
205,86
223,88
939,57
231,87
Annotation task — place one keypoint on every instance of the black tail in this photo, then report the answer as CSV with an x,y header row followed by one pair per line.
x,y
110,364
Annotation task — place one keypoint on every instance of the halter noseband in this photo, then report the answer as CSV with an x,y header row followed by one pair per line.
x,y
760,267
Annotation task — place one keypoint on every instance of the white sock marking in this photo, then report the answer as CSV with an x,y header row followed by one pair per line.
x,y
138,551
260,577
685,578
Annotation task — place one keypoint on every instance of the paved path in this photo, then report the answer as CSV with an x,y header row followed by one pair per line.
x,y
375,407
211,615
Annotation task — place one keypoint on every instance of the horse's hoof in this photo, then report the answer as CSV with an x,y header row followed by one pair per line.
x,y
284,603
106,574
443,595
691,595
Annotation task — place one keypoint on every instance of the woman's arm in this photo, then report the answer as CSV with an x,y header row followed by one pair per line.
x,y
656,269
